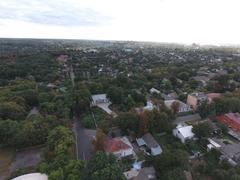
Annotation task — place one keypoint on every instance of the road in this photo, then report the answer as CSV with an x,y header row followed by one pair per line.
x,y
83,142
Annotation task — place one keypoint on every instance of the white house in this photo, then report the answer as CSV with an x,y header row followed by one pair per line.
x,y
148,141
182,106
183,132
153,90
99,98
120,147
32,176
150,106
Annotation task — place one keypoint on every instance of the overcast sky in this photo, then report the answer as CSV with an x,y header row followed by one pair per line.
x,y
181,21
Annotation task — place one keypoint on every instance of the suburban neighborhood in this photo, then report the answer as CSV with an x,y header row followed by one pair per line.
x,y
119,110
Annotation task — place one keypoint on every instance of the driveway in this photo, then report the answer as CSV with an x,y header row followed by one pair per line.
x,y
105,107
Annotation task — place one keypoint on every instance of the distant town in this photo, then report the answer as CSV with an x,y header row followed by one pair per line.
x,y
115,110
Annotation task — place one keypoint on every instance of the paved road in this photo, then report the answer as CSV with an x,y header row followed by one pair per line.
x,y
83,142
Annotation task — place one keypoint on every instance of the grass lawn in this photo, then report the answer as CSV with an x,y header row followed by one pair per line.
x,y
87,119
6,157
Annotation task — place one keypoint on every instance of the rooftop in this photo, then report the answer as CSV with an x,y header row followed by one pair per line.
x,y
99,96
198,95
117,144
186,131
150,141
32,176
234,116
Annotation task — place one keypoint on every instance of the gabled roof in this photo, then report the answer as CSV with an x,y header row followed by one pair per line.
x,y
99,96
185,131
116,144
150,141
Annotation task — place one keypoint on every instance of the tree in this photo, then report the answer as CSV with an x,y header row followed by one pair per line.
x,y
56,175
81,98
99,141
183,76
8,130
108,173
206,109
74,170
175,106
127,121
202,130
60,139
103,166
12,110
115,94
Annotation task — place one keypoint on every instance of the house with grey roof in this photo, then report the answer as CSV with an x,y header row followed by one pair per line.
x,y
150,143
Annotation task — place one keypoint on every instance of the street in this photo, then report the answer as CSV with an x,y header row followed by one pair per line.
x,y
83,142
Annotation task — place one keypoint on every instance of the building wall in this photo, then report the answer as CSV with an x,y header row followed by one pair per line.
x,y
156,151
192,101
123,153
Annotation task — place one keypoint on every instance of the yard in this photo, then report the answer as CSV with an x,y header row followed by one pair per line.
x,y
88,121
6,157
26,158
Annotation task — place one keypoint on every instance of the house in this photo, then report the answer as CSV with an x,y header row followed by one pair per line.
x,y
213,145
195,99
170,96
120,147
182,106
153,90
202,79
146,173
152,146
99,99
230,151
232,120
149,106
183,132
211,96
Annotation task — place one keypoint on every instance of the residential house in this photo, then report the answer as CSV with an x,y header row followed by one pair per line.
x,y
120,147
99,99
170,96
213,145
183,132
202,79
153,90
195,99
150,106
152,146
230,151
232,120
182,106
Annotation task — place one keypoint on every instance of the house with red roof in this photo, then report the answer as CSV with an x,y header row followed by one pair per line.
x,y
231,120
120,147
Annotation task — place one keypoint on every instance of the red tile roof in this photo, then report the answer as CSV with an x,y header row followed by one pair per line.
x,y
114,145
234,116
231,119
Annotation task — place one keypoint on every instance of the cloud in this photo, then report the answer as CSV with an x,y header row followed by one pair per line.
x,y
51,12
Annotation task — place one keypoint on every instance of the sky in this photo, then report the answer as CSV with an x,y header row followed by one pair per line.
x,y
174,21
